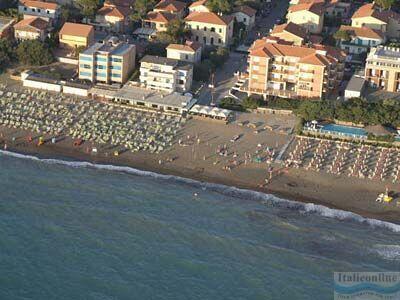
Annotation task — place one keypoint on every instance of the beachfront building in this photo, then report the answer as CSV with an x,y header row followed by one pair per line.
x,y
108,62
31,29
246,15
309,15
293,71
382,68
358,40
190,51
290,32
166,74
73,35
48,11
199,6
111,18
210,29
158,20
6,28
372,16
175,7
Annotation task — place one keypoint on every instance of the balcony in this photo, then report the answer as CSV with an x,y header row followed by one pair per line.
x,y
271,92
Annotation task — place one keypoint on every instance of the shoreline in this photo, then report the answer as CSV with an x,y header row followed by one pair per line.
x,y
282,186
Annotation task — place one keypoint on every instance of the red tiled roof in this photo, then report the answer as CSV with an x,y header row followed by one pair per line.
x,y
76,29
209,17
170,5
36,22
113,11
198,3
39,4
316,7
247,10
292,28
160,17
188,46
365,32
371,10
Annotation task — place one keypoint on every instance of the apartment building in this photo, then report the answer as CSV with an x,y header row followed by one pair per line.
x,y
293,71
108,62
309,15
382,69
31,29
171,6
73,35
190,51
48,11
290,32
210,29
166,74
361,39
372,16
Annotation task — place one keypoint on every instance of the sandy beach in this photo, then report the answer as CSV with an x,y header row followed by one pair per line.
x,y
193,156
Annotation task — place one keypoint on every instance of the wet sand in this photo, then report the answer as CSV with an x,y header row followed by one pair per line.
x,y
346,193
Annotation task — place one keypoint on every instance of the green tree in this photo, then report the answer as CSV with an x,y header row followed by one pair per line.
x,y
386,4
342,35
202,71
141,8
231,103
176,32
6,53
219,57
220,6
252,103
87,7
35,53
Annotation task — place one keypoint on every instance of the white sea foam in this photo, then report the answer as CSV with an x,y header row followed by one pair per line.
x,y
305,208
390,252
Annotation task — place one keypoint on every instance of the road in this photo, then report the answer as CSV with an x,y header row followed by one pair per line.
x,y
224,78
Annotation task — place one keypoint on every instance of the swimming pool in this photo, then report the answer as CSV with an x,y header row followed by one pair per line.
x,y
342,130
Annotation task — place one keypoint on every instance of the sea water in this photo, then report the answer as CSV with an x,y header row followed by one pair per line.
x,y
71,230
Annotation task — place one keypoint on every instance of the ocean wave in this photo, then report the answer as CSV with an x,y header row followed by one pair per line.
x,y
389,252
305,208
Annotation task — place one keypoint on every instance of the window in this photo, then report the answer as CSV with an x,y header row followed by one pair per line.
x,y
186,56
197,38
198,27
114,59
100,67
85,58
115,67
244,20
39,10
86,74
205,28
212,41
33,9
25,8
220,30
219,41
48,12
116,75
85,66
101,59
212,29
204,40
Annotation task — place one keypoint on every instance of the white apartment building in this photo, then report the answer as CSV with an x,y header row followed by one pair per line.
x,y
46,10
108,62
166,74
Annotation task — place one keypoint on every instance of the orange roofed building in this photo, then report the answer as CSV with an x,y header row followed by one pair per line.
x,y
290,71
